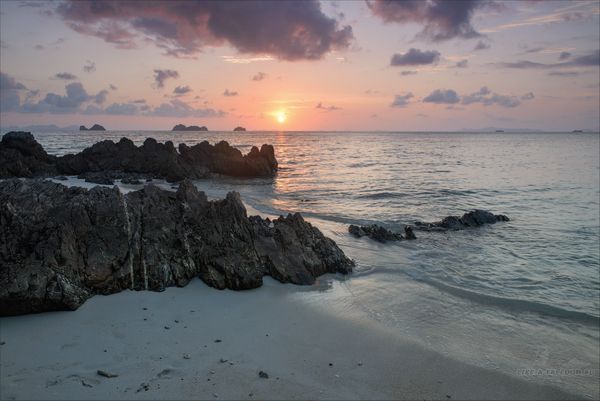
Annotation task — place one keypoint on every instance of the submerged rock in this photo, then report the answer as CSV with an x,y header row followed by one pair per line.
x,y
474,218
62,245
375,232
22,156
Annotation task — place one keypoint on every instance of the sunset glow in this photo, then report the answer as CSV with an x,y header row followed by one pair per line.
x,y
141,65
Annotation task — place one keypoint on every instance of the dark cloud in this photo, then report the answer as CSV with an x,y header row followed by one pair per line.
x,y
75,97
528,96
112,87
138,101
442,96
89,66
401,100
564,55
405,73
66,76
442,19
39,47
287,29
588,60
259,76
481,45
100,97
327,108
462,64
534,50
229,93
415,57
121,109
488,98
160,76
182,90
10,98
177,108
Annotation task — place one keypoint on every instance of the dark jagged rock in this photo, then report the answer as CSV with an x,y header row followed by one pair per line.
x,y
22,156
374,232
238,128
409,233
101,177
95,127
474,218
181,127
60,245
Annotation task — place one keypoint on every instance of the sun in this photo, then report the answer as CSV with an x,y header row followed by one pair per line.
x,y
281,117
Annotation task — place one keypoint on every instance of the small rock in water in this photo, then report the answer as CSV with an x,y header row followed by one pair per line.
x,y
3,342
250,395
176,321
85,384
223,360
330,364
186,356
263,375
217,341
215,395
167,328
143,386
447,396
359,364
106,374
61,178
144,308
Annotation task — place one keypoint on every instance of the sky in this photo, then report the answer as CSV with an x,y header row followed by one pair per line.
x,y
411,65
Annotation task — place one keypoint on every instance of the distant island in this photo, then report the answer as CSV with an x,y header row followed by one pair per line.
x,y
95,127
238,128
577,131
181,127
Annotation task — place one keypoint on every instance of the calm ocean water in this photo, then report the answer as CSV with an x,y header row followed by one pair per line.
x,y
511,296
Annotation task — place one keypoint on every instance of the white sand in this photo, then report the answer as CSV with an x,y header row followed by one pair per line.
x,y
56,355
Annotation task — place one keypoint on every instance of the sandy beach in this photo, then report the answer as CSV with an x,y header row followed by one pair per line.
x,y
200,343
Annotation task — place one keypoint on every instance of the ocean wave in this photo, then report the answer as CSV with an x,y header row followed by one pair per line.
x,y
509,304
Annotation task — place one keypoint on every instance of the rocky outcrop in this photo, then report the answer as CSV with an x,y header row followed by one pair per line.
x,y
22,156
239,128
181,127
60,245
380,234
474,218
95,127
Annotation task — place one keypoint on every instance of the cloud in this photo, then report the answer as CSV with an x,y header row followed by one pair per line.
x,y
401,100
89,66
563,73
39,47
177,108
327,108
100,96
259,76
588,60
481,45
160,76
528,96
415,57
10,99
182,90
75,96
66,76
229,93
405,73
112,87
286,29
441,19
488,98
462,64
139,101
441,96
564,55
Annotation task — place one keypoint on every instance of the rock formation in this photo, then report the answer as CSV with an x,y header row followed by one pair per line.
x,y
380,234
95,127
181,127
239,128
62,245
22,156
474,218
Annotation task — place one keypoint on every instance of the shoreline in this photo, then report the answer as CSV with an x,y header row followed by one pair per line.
x,y
170,350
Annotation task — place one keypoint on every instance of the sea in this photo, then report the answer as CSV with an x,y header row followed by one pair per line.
x,y
520,297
